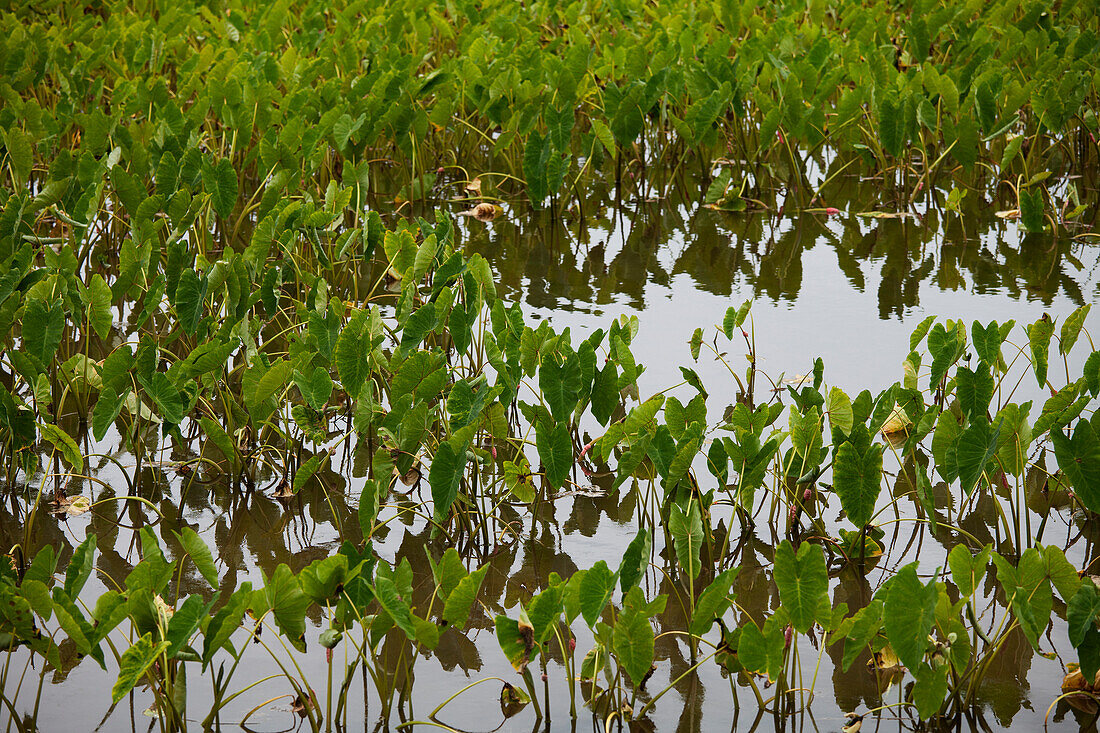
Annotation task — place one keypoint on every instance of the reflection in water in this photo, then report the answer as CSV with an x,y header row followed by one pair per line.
x,y
611,254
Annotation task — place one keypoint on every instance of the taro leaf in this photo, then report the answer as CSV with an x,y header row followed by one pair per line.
x,y
322,580
946,348
635,560
559,123
64,443
352,350
857,476
198,551
308,470
445,478
976,447
184,623
1082,611
400,248
133,664
762,650
803,583
605,392
555,449
1031,209
43,566
1088,653
369,501
418,325
891,124
315,388
908,615
1038,337
389,598
560,384
165,396
283,596
516,639
929,689
81,632
686,528
1071,328
535,158
1092,373
865,626
1027,585
43,325
108,406
456,609
974,389
427,633
80,566
632,640
920,332
447,572
544,611
595,591
968,568
217,435
839,407
1061,572
220,181
987,341
1079,459
713,602
188,301
20,156
99,307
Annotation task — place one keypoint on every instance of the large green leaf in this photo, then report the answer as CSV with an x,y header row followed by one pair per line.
x,y
220,181
200,554
64,443
283,596
1079,459
43,325
445,478
99,306
857,476
803,583
456,609
632,639
555,448
80,567
635,560
713,602
908,615
595,591
560,384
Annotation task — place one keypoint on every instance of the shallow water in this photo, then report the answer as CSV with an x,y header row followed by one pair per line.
x,y
845,288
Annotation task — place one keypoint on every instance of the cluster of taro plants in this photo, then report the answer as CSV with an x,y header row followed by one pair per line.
x,y
421,101
189,269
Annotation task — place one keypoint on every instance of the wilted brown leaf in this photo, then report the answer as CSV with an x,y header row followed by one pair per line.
x,y
484,211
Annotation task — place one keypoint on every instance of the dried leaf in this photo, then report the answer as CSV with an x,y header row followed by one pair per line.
x,y
484,211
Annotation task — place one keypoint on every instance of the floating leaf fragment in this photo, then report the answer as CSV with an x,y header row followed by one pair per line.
x,y
1009,214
